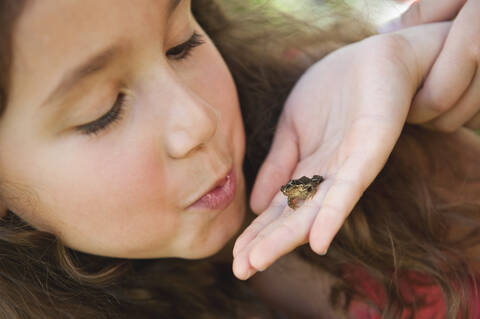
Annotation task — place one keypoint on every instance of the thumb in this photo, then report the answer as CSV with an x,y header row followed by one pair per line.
x,y
424,11
277,168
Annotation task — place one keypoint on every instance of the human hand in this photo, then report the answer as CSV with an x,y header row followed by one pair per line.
x,y
340,121
450,96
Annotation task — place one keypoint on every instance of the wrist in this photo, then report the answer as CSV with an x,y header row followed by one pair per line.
x,y
418,48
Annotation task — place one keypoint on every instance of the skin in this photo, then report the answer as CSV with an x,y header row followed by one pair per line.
x,y
124,192
439,91
358,105
449,98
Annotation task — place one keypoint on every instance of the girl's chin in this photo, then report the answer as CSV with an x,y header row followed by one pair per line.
x,y
224,250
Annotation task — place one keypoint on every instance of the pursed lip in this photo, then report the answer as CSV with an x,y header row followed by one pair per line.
x,y
218,182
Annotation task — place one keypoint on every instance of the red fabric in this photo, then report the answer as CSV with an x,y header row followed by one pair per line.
x,y
431,295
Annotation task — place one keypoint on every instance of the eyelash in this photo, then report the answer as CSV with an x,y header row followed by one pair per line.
x,y
180,52
186,47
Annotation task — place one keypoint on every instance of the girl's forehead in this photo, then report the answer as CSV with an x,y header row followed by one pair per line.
x,y
54,37
53,19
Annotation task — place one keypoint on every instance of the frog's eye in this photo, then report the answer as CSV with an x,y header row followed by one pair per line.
x,y
309,188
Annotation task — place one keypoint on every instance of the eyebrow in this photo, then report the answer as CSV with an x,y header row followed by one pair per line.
x,y
93,64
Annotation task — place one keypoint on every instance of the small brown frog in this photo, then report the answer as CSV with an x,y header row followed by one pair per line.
x,y
298,190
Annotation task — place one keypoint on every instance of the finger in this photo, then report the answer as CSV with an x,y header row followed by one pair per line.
x,y
353,177
427,11
461,112
241,265
266,218
287,233
474,123
451,73
424,11
277,167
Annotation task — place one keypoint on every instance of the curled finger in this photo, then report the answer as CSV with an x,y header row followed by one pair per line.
x,y
351,180
424,11
463,111
453,70
288,232
266,218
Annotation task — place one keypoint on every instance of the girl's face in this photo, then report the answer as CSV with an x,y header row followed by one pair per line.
x,y
118,122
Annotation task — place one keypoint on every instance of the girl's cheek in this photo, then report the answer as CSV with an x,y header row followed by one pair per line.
x,y
111,177
125,207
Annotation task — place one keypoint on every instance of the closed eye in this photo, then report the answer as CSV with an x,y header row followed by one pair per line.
x,y
178,52
111,116
183,50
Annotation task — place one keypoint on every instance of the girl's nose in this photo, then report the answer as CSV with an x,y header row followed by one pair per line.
x,y
191,124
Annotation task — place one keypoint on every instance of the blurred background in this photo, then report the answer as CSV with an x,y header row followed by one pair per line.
x,y
376,11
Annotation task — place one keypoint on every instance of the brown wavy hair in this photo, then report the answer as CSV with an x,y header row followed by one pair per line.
x,y
428,189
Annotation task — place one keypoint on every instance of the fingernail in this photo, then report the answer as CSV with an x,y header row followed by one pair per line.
x,y
250,273
390,26
262,267
320,252
258,266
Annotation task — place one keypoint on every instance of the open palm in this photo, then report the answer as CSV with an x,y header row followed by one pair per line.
x,y
341,121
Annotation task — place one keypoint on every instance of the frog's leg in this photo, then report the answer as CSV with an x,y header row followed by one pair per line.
x,y
293,202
